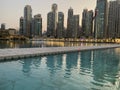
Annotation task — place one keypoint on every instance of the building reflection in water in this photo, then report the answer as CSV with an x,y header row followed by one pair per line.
x,y
30,44
105,67
102,68
28,63
86,61
71,63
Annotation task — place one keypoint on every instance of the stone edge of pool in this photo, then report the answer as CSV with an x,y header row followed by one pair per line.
x,y
14,54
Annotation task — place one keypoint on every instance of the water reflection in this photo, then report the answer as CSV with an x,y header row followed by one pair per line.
x,y
31,44
86,61
86,70
102,66
106,67
28,65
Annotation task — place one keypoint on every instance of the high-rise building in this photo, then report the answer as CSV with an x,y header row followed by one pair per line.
x,y
84,22
114,19
54,10
70,23
27,20
52,21
60,27
37,25
75,26
50,24
100,28
90,23
3,26
87,23
21,26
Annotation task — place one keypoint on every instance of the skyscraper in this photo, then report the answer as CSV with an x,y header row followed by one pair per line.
x,y
87,23
54,10
70,23
27,20
60,27
84,22
114,19
90,23
21,26
37,25
3,26
52,21
100,28
75,26
50,25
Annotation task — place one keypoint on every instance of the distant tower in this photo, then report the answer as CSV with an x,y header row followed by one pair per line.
x,y
50,24
75,26
21,26
54,10
100,27
60,27
87,23
54,7
84,22
70,23
27,20
3,26
114,19
52,21
37,24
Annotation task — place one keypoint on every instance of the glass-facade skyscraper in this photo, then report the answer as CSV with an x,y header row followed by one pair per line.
x,y
100,28
87,23
60,26
75,26
52,21
84,22
50,24
37,26
114,19
27,20
70,23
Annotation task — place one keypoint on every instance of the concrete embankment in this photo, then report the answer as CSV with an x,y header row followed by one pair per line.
x,y
17,53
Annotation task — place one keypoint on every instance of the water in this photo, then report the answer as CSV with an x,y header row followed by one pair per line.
x,y
86,70
32,44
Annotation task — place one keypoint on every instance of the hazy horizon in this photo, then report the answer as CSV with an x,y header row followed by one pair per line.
x,y
11,11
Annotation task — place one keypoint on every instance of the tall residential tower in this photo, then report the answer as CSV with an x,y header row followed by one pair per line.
x,y
87,23
70,23
60,26
27,20
114,19
37,26
52,21
75,26
100,23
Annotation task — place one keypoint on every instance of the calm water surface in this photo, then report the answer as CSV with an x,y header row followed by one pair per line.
x,y
86,70
32,44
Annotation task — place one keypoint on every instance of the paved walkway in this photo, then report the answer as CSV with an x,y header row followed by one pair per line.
x,y
10,54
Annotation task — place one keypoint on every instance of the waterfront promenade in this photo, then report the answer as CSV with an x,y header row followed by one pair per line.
x,y
17,53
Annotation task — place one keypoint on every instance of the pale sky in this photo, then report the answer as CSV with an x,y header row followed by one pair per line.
x,y
12,10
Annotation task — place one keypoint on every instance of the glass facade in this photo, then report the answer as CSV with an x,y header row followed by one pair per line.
x,y
60,27
27,20
37,30
101,19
